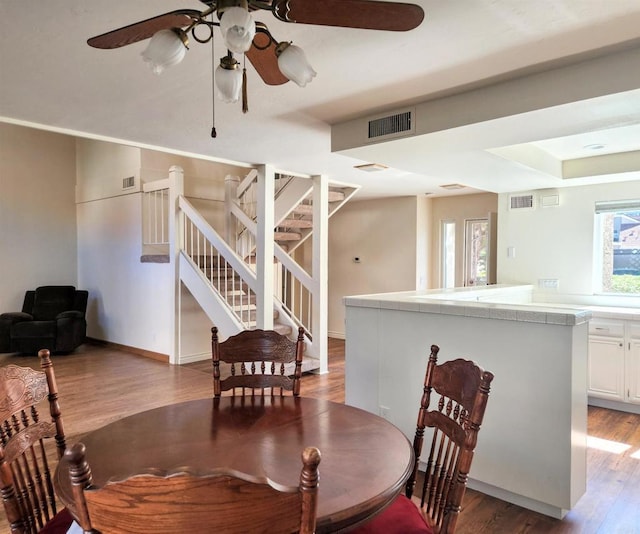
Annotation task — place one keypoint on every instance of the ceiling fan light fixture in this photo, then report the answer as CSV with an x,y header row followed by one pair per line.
x,y
228,80
293,63
238,29
166,48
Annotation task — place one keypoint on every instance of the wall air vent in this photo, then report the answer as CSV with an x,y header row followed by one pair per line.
x,y
391,125
549,199
129,182
521,202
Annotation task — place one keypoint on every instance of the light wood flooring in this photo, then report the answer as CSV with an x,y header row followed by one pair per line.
x,y
99,384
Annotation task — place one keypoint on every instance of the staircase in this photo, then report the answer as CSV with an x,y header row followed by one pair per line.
x,y
247,279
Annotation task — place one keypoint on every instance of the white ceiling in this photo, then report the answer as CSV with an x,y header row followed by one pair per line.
x,y
50,78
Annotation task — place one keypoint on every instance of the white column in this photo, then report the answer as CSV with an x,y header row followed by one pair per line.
x,y
320,246
264,247
176,233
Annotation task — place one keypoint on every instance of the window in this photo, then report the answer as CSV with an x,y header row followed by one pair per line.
x,y
617,246
448,254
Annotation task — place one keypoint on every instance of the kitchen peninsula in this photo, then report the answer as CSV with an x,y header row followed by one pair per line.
x,y
532,445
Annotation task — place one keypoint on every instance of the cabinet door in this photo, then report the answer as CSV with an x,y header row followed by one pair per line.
x,y
633,370
606,368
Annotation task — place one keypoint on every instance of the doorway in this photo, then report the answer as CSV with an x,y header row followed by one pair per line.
x,y
476,252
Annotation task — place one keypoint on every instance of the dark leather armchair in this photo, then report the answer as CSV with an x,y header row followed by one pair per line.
x,y
52,317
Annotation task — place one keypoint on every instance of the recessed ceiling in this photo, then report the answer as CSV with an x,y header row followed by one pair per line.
x,y
51,79
587,144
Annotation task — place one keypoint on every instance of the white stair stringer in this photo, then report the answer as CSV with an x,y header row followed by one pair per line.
x,y
296,190
211,303
289,206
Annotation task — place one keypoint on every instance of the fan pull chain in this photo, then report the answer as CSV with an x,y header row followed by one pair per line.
x,y
214,134
245,101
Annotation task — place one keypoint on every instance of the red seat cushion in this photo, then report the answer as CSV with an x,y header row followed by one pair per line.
x,y
401,517
59,524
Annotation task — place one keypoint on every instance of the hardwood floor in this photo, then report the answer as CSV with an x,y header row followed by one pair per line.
x,y
100,384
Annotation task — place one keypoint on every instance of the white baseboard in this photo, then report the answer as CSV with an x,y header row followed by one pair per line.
x,y
614,405
519,500
198,357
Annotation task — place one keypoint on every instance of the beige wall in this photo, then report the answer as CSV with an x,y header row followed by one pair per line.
x,y
204,181
457,209
102,167
37,212
383,234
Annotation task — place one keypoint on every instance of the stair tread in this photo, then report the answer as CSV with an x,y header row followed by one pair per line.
x,y
303,209
287,236
296,223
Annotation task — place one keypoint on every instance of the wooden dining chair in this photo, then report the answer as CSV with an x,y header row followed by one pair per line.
x,y
453,403
26,463
258,360
223,501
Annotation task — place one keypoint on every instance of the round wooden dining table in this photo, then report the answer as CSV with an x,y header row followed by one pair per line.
x,y
365,459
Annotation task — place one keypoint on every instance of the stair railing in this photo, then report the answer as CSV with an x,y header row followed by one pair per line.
x,y
155,209
226,273
295,290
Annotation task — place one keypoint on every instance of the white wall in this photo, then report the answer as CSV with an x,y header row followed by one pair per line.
x,y
130,301
555,242
37,212
383,234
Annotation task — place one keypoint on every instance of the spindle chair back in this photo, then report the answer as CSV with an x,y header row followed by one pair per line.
x,y
27,461
258,362
221,501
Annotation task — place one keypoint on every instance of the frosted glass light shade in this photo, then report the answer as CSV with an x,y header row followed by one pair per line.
x,y
293,63
165,49
238,29
229,84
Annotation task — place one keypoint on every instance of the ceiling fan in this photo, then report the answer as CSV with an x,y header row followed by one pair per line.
x,y
276,62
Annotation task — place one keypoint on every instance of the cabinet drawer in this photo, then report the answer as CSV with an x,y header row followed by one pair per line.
x,y
601,327
633,330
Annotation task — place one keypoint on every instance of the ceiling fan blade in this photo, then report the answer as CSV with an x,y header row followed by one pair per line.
x,y
262,56
366,14
139,31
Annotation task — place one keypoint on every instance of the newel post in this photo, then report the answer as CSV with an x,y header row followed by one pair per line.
x,y
176,236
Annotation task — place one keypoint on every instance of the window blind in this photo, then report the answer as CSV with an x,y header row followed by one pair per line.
x,y
617,205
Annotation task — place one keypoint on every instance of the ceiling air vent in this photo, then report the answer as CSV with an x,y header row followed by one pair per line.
x,y
129,182
521,202
391,125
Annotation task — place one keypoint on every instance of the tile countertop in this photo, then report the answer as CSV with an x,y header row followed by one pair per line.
x,y
493,302
465,302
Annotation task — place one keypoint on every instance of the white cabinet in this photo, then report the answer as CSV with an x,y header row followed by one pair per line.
x,y
633,362
606,360
614,360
